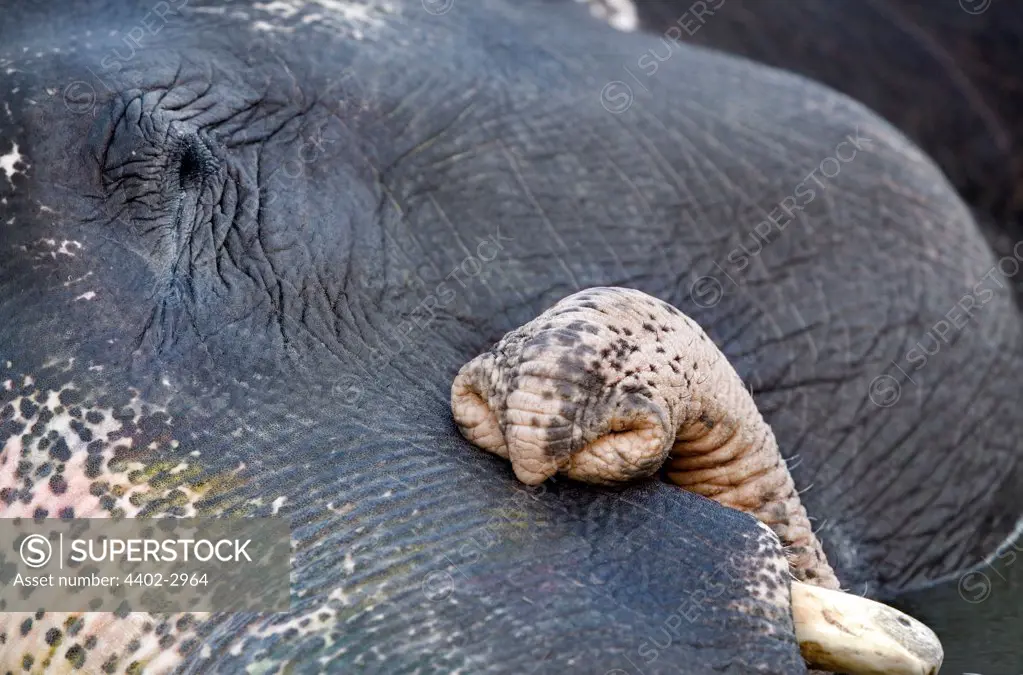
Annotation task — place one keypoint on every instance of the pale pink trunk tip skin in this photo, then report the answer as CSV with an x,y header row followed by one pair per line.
x,y
610,383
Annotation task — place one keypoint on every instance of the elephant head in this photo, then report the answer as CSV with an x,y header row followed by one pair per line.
x,y
246,247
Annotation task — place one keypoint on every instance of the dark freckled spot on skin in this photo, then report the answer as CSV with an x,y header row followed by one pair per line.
x,y
653,368
636,389
28,409
133,646
66,513
26,626
40,614
76,655
93,466
649,327
54,637
81,431
567,339
70,397
60,451
58,485
74,625
110,665
627,332
614,330
26,662
90,642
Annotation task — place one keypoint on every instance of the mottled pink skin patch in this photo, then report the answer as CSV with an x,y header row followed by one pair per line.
x,y
65,456
96,642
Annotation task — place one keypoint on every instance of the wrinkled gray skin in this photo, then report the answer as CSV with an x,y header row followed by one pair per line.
x,y
272,240
945,73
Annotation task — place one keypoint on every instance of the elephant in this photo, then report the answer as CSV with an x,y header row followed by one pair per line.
x,y
246,247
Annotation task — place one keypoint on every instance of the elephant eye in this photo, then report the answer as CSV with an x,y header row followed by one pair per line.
x,y
196,162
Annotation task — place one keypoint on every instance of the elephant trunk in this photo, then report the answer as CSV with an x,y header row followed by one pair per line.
x,y
607,385
610,383
725,450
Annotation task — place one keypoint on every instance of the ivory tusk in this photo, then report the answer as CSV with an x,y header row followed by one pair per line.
x,y
841,632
